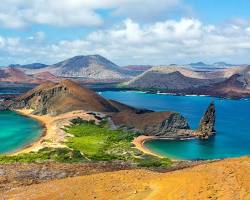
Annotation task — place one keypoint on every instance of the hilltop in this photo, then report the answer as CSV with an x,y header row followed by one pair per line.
x,y
65,96
93,67
231,82
15,75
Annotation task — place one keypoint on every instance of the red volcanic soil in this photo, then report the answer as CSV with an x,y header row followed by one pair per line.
x,y
62,97
46,76
13,75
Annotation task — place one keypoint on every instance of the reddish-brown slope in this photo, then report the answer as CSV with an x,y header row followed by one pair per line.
x,y
46,76
14,75
57,98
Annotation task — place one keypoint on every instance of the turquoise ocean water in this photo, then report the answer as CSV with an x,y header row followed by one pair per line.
x,y
16,131
232,124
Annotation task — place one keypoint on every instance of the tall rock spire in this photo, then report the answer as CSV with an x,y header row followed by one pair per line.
x,y
207,124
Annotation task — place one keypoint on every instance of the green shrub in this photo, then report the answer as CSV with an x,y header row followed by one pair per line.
x,y
150,161
99,143
45,154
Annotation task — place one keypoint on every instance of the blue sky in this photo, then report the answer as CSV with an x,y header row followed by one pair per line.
x,y
217,11
125,31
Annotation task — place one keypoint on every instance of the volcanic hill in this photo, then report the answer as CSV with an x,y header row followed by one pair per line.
x,y
66,96
92,67
230,82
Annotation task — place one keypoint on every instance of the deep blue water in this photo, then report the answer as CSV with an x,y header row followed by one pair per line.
x,y
17,131
232,124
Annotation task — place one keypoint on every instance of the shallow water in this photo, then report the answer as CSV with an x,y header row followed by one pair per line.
x,y
232,124
16,131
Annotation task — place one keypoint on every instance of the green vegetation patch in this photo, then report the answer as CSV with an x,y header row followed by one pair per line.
x,y
45,154
91,142
99,143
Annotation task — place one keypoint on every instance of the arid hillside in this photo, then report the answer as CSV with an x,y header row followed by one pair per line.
x,y
15,75
225,180
57,98
230,82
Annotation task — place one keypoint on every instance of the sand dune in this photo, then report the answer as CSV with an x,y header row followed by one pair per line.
x,y
226,179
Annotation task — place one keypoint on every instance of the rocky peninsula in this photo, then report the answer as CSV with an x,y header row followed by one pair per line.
x,y
55,104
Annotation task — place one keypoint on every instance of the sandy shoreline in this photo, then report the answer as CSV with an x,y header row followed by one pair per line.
x,y
140,140
53,135
139,144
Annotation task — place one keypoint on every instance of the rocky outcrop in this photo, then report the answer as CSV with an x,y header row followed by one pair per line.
x,y
167,124
207,124
2,107
5,104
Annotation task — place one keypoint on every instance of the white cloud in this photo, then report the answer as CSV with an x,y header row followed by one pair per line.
x,y
20,13
186,40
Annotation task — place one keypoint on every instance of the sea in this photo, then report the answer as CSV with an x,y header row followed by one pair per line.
x,y
232,137
17,131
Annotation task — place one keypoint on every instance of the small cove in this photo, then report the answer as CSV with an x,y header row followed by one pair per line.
x,y
17,131
232,124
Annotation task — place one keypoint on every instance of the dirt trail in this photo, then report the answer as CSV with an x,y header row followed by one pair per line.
x,y
227,179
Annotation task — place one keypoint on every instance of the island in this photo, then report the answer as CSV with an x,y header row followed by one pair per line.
x,y
88,134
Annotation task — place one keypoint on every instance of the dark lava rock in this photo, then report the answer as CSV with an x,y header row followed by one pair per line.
x,y
168,124
207,124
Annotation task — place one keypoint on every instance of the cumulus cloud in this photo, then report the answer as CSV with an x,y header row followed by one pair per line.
x,y
164,42
20,13
167,42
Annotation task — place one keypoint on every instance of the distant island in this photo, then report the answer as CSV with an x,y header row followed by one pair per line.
x,y
219,79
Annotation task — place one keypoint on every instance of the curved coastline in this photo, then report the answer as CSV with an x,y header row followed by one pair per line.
x,y
139,143
49,137
53,135
43,133
29,147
